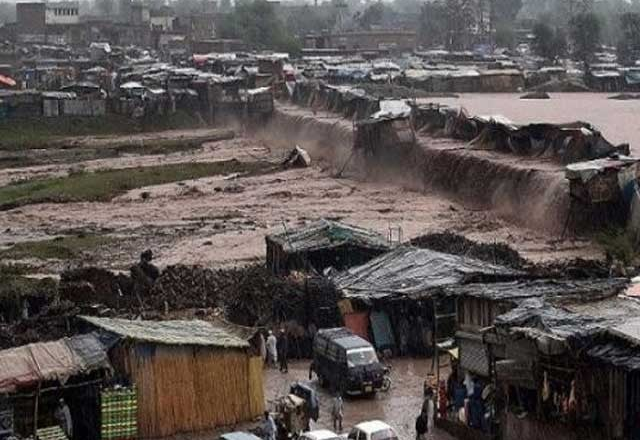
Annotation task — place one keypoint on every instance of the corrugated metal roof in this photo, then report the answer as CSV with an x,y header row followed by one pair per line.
x,y
413,271
552,289
194,332
326,234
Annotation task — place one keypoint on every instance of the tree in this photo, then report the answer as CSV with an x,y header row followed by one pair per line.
x,y
460,19
505,11
585,35
629,43
308,19
432,28
549,42
257,24
374,15
505,35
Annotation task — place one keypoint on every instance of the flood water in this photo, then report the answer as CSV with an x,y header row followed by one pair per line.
x,y
617,120
399,407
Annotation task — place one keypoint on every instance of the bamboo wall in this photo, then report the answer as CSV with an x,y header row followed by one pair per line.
x,y
186,389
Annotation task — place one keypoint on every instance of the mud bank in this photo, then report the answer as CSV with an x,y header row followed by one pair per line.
x,y
525,192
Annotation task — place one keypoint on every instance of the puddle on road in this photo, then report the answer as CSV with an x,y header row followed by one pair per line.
x,y
399,407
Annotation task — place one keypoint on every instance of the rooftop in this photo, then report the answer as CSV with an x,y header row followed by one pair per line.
x,y
411,271
325,234
194,332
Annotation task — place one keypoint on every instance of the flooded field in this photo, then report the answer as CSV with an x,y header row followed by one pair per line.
x,y
399,407
617,120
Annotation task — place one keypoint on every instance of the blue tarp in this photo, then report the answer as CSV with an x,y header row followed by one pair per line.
x,y
382,331
632,77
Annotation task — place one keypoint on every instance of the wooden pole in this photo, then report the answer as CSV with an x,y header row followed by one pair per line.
x,y
35,411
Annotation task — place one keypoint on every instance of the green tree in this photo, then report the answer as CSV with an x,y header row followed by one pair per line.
x,y
505,35
629,43
460,18
505,11
432,28
257,24
548,42
307,19
503,19
585,35
374,15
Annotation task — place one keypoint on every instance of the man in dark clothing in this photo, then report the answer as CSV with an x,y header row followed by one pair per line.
x,y
283,351
422,426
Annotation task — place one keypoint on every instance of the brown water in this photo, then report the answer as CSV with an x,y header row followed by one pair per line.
x,y
399,407
617,120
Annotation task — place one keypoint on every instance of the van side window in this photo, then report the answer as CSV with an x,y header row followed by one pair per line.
x,y
353,435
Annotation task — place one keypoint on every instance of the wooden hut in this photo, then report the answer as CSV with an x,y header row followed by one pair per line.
x,y
34,377
322,244
585,351
401,292
190,375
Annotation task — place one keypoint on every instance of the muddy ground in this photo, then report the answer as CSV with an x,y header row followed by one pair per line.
x,y
222,220
398,407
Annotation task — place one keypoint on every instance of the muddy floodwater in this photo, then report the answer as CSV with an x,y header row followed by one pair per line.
x,y
399,407
617,120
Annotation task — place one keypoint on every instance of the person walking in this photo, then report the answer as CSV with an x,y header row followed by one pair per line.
x,y
283,351
337,413
422,426
272,350
269,427
428,408
262,347
62,414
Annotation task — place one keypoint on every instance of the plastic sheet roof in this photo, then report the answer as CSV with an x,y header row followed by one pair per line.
x,y
556,329
46,361
558,290
327,234
410,271
194,332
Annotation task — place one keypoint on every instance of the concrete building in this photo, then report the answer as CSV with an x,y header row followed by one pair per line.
x,y
162,19
391,40
31,21
64,13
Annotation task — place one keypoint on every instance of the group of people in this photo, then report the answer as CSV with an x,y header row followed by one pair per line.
x,y
270,427
275,350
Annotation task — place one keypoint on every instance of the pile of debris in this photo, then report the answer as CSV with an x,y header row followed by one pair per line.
x,y
451,243
180,287
94,285
252,296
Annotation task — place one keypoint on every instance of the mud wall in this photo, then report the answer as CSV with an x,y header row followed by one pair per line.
x,y
527,197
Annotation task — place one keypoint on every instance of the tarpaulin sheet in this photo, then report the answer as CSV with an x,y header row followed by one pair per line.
x,y
44,361
382,331
91,350
557,289
326,234
358,323
412,271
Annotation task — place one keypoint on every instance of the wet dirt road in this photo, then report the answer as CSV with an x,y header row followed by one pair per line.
x,y
399,407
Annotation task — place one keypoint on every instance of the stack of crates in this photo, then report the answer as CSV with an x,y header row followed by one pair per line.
x,y
119,413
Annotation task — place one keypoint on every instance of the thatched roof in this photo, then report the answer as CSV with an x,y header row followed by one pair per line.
x,y
194,332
